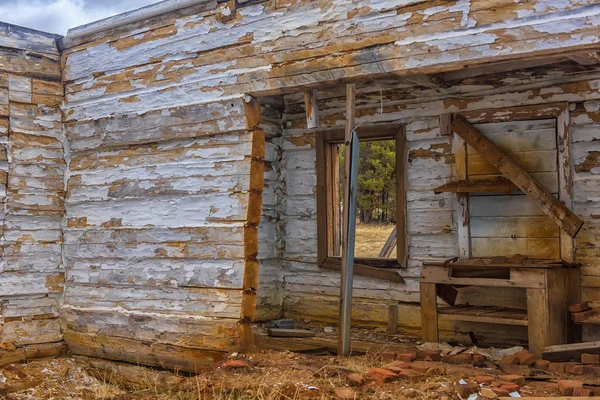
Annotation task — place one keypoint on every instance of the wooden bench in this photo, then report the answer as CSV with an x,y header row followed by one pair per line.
x,y
550,286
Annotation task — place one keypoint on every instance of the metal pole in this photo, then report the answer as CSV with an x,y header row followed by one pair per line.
x,y
349,226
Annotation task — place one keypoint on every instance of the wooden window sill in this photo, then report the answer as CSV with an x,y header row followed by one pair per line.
x,y
387,271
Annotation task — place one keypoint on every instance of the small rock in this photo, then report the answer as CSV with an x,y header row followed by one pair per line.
x,y
525,357
566,387
345,393
355,379
328,329
541,364
232,364
381,375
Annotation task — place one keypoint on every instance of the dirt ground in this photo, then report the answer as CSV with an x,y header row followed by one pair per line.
x,y
263,374
370,239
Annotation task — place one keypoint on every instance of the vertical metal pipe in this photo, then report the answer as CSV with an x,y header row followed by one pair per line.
x,y
349,226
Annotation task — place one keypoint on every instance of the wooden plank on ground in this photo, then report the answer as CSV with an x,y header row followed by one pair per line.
x,y
557,211
297,333
566,352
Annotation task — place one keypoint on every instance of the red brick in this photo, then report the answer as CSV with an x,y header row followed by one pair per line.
x,y
500,392
484,379
458,359
593,370
355,379
582,392
511,387
420,366
478,358
510,359
541,364
396,366
557,367
411,375
345,393
231,364
510,369
575,369
525,357
582,316
381,375
433,354
388,356
587,358
466,389
406,357
576,308
565,387
517,379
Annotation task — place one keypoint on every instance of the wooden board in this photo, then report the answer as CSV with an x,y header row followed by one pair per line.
x,y
568,352
295,333
488,315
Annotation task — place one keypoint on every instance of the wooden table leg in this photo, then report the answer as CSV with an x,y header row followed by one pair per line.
x,y
547,312
429,318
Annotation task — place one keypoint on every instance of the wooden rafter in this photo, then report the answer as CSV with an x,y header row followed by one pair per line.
x,y
550,205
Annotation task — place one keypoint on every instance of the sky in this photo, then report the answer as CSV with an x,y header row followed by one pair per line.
x,y
57,16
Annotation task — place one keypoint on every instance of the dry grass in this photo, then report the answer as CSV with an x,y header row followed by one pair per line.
x,y
370,239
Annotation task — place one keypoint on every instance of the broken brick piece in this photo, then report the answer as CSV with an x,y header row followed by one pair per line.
x,y
396,366
575,369
381,375
458,358
525,357
355,379
557,367
412,376
510,359
541,364
517,379
566,387
577,308
510,369
500,392
582,392
464,390
510,387
587,358
345,393
433,354
388,356
231,364
484,379
407,357
582,316
420,366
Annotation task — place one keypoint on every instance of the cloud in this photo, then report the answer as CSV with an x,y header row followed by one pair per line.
x,y
57,16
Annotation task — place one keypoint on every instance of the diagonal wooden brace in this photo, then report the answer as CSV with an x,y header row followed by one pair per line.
x,y
557,211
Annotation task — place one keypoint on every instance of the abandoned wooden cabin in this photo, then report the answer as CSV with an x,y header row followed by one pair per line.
x,y
168,174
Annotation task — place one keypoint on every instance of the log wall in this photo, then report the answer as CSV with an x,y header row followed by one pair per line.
x,y
32,168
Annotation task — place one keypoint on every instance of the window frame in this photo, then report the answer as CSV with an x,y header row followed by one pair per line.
x,y
326,141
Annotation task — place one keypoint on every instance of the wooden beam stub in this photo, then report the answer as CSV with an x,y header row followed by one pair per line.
x,y
312,108
550,205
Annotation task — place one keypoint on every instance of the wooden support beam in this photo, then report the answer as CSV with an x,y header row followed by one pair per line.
x,y
557,211
312,108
